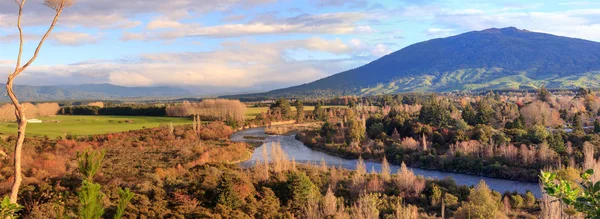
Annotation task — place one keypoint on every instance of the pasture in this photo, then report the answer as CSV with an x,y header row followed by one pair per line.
x,y
252,112
89,125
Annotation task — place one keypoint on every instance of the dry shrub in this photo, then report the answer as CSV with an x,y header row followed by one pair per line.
x,y
47,109
407,182
98,104
7,111
215,130
219,109
410,143
540,113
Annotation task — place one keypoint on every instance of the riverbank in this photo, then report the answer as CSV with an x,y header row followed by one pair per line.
x,y
303,154
428,160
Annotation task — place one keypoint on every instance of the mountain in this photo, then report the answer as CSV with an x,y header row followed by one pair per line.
x,y
92,92
507,58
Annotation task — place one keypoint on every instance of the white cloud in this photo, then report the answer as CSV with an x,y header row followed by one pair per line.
x,y
440,32
239,65
334,23
75,38
161,23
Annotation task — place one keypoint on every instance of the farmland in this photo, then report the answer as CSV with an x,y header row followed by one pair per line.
x,y
89,125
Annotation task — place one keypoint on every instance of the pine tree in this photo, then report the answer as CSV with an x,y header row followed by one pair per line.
x,y
299,111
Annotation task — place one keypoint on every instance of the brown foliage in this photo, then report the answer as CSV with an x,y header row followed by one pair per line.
x,y
215,130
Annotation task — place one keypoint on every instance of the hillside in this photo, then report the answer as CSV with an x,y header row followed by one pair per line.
x,y
91,92
507,58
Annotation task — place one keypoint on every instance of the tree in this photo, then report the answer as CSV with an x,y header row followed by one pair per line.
x,y
268,205
469,115
596,126
485,112
125,196
318,111
301,189
283,106
58,6
328,131
90,195
482,203
436,112
543,94
355,131
299,111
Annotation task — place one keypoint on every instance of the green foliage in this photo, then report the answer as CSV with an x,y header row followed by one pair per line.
x,y
485,112
597,125
544,94
436,112
9,210
90,201
125,196
355,131
226,194
450,200
516,201
469,115
283,106
537,134
89,163
374,131
585,198
482,203
319,112
529,200
299,111
436,196
301,189
556,142
327,131
268,204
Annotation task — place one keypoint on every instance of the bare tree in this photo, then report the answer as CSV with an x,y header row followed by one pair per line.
x,y
58,6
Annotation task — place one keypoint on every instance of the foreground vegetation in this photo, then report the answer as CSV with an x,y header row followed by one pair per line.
x,y
177,172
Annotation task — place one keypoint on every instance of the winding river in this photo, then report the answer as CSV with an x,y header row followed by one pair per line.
x,y
301,153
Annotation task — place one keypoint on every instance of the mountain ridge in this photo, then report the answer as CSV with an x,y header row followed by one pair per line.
x,y
495,58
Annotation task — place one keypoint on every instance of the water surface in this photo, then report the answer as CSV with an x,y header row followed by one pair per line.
x,y
303,154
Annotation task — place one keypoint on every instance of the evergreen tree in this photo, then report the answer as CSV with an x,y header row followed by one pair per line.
x,y
299,111
301,190
596,126
544,94
485,112
283,106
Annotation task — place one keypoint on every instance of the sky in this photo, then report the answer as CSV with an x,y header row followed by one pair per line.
x,y
253,45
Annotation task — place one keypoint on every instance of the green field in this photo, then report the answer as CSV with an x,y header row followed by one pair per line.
x,y
89,125
252,112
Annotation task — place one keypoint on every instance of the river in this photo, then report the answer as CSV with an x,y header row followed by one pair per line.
x,y
303,154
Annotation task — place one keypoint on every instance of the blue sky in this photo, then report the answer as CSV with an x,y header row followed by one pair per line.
x,y
254,45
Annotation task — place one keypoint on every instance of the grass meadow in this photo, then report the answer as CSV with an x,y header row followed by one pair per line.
x,y
89,125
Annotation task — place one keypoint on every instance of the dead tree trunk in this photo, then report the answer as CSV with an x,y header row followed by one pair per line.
x,y
58,6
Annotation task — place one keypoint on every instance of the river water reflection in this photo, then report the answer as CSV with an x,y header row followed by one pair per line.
x,y
303,154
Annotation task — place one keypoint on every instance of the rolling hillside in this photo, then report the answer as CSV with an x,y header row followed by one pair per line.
x,y
507,58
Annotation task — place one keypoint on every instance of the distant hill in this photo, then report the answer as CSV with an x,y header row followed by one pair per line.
x,y
507,58
92,92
